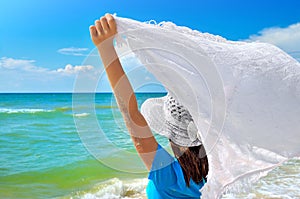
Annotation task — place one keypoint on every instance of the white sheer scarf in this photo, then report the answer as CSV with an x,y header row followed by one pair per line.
x,y
244,97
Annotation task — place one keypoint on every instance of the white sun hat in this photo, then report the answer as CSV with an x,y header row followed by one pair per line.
x,y
172,120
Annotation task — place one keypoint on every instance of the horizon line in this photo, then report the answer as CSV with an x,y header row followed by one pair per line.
x,y
57,92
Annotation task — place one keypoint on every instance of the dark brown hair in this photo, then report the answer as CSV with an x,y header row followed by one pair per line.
x,y
193,161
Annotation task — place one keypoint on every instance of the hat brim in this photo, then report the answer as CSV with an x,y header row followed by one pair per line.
x,y
153,111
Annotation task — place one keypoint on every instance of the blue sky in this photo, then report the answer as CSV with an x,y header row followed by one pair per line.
x,y
42,42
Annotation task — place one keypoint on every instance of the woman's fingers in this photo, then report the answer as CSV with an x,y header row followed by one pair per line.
x,y
93,31
111,22
104,28
99,27
104,24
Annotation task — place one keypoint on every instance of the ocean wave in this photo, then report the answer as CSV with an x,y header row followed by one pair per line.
x,y
57,109
105,106
63,109
23,110
96,106
81,114
115,189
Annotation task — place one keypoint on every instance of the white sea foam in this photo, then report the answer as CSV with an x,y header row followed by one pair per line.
x,y
81,114
116,189
23,110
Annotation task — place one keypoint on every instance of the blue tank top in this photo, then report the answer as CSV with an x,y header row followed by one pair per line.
x,y
166,179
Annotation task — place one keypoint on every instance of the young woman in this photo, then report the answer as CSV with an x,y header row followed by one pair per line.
x,y
169,177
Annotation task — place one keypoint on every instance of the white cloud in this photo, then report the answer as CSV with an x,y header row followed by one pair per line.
x,y
73,51
69,69
147,78
21,75
287,38
21,64
29,66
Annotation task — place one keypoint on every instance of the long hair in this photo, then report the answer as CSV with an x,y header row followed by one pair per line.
x,y
193,161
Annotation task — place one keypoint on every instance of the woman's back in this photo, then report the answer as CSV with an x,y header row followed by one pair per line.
x,y
166,179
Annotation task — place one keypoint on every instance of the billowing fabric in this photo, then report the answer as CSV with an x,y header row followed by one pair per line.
x,y
166,179
244,97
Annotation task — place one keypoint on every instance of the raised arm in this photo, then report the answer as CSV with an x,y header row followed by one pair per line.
x,y
102,34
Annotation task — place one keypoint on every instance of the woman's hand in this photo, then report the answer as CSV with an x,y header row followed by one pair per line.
x,y
104,30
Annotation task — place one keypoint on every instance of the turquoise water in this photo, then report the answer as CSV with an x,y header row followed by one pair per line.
x,y
43,151
42,155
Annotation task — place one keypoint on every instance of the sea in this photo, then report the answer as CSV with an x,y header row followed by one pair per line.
x,y
50,149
